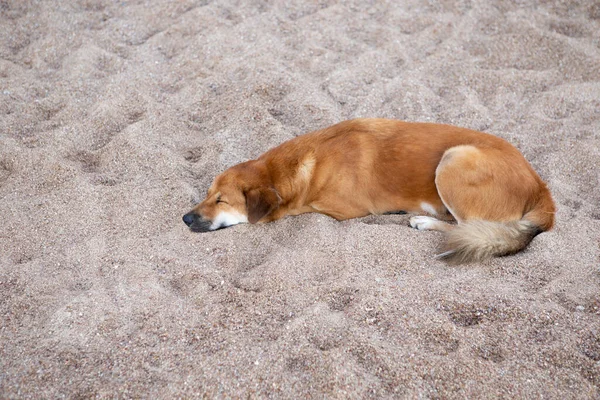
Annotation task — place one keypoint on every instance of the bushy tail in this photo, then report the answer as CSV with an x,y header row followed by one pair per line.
x,y
479,240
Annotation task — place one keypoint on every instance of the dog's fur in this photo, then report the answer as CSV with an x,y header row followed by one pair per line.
x,y
377,166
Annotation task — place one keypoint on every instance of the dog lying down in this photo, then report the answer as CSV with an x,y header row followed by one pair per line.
x,y
379,166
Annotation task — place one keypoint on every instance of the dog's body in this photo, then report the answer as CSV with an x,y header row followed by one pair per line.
x,y
376,166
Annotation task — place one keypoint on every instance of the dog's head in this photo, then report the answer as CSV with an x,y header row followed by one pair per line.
x,y
243,193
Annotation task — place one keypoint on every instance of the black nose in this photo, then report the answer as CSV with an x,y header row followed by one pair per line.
x,y
189,218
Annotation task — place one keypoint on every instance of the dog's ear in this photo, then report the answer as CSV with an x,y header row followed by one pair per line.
x,y
260,203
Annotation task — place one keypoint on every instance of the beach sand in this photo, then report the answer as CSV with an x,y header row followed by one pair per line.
x,y
115,116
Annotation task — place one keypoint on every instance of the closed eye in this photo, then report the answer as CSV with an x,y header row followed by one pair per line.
x,y
219,200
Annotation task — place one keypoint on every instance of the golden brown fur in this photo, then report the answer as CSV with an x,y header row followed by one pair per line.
x,y
374,166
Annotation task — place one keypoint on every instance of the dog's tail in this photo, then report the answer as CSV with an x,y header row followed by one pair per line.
x,y
478,240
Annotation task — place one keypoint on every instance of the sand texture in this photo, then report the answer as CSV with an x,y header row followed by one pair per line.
x,y
115,116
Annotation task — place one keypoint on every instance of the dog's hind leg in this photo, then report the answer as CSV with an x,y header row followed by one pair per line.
x,y
489,191
478,184
424,223
461,179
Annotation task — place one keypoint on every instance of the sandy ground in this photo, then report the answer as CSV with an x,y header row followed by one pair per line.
x,y
116,115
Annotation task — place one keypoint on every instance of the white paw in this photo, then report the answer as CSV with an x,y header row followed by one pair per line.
x,y
423,223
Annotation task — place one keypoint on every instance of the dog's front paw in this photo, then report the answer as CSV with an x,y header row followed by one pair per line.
x,y
424,223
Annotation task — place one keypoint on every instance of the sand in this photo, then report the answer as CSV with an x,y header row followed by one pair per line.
x,y
116,115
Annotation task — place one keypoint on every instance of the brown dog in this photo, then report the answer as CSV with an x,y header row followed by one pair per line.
x,y
377,166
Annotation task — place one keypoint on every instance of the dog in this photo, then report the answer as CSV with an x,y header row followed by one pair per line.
x,y
379,166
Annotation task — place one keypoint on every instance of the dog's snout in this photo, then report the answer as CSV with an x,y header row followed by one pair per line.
x,y
196,223
189,218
